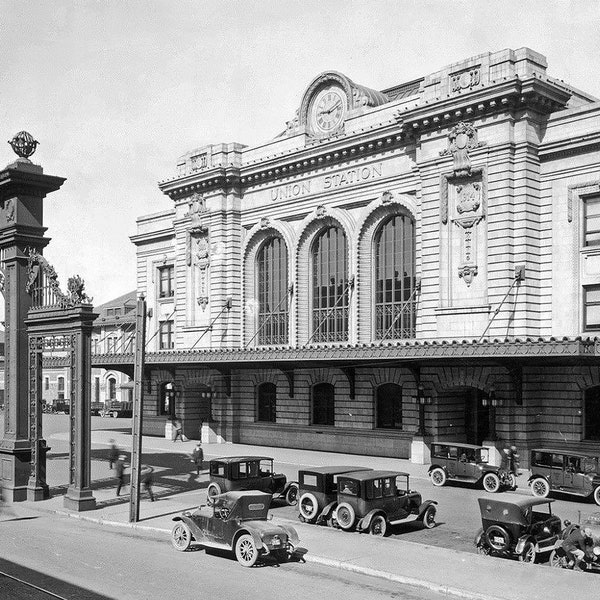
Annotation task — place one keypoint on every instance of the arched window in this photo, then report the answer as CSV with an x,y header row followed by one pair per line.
x,y
388,400
323,406
61,388
167,399
592,414
395,306
330,287
272,287
112,388
266,402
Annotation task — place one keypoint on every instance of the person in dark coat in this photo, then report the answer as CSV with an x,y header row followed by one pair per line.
x,y
120,467
147,480
197,457
178,430
113,454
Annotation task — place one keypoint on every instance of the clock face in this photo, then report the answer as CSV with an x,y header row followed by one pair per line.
x,y
328,109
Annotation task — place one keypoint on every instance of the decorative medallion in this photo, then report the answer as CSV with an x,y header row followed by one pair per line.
x,y
321,211
467,272
196,206
465,80
265,222
468,197
461,139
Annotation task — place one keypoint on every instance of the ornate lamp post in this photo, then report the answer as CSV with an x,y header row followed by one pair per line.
x,y
493,402
423,400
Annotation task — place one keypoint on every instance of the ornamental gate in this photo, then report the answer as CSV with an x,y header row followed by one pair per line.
x,y
60,324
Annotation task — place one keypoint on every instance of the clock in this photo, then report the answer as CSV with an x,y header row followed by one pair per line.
x,y
327,110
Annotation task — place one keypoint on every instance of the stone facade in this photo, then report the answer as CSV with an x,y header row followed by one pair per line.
x,y
489,165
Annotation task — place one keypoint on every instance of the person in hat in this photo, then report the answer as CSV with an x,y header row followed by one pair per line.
x,y
578,544
197,457
147,480
113,453
120,467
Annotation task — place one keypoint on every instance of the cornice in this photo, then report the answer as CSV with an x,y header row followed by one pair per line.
x,y
569,146
152,236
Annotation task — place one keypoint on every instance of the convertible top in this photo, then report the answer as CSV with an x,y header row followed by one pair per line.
x,y
366,475
508,511
235,459
335,470
244,504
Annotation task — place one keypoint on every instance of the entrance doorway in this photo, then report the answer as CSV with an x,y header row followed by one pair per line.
x,y
462,417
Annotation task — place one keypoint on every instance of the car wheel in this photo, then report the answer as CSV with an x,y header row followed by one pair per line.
x,y
438,477
246,551
491,483
345,516
309,507
378,525
597,495
429,517
181,536
512,481
213,489
540,487
483,549
558,560
529,554
115,414
497,538
291,496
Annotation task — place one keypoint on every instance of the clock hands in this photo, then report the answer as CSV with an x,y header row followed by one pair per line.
x,y
330,110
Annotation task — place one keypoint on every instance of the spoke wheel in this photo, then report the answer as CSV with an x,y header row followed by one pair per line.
x,y
345,516
308,506
246,551
378,525
181,537
597,495
429,517
438,477
528,555
491,483
558,561
540,488
483,550
291,496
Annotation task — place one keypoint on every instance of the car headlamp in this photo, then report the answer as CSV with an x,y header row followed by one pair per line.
x,y
596,550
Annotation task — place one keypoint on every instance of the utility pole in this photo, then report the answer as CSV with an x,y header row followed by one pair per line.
x,y
138,403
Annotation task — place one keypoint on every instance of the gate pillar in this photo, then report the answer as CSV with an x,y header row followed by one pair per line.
x,y
23,186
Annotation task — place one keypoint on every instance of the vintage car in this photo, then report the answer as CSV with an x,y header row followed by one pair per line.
x,y
523,528
591,562
249,473
465,462
374,500
567,472
318,492
236,521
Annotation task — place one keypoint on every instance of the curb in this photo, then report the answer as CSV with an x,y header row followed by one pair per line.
x,y
320,560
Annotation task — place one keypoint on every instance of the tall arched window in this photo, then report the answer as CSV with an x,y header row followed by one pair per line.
x,y
266,402
323,405
395,306
389,406
330,287
112,388
272,273
592,414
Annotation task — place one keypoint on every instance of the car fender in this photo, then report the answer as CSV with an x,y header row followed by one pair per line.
x,y
365,522
291,533
432,467
327,512
287,486
522,541
479,537
255,536
532,477
424,505
196,531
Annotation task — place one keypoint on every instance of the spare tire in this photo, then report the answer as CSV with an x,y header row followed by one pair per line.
x,y
497,538
309,507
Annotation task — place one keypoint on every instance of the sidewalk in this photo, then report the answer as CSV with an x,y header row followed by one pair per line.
x,y
452,572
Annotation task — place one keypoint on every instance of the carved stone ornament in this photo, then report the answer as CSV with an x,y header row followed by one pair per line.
x,y
321,211
203,302
467,272
461,139
265,222
387,197
196,206
465,80
2,280
9,210
468,197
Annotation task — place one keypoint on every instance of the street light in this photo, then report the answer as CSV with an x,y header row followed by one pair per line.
x,y
493,402
423,400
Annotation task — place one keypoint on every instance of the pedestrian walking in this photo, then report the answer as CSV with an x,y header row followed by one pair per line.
x,y
113,453
197,457
148,479
178,430
120,467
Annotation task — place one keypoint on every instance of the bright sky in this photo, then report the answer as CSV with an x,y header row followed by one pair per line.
x,y
115,91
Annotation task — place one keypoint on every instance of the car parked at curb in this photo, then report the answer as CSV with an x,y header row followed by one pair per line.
x,y
452,461
567,472
524,528
249,473
317,492
236,521
375,500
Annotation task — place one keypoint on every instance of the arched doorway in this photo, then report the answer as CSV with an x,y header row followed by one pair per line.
x,y
462,416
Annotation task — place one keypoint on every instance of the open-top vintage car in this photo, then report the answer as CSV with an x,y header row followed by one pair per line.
x,y
373,500
249,473
567,472
523,528
318,492
451,461
236,521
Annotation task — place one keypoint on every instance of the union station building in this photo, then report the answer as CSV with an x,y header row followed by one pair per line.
x,y
398,266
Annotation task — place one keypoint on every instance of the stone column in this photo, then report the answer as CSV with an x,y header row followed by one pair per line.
x,y
23,187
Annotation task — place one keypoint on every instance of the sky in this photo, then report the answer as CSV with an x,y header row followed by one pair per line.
x,y
116,91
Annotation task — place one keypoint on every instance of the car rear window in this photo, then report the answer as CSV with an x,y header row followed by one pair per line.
x,y
217,469
541,459
308,480
348,486
440,451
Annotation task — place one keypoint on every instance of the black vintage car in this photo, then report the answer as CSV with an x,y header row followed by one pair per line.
x,y
318,492
465,462
523,528
249,473
236,521
373,500
567,472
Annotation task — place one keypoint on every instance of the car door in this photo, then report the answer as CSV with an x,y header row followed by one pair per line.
x,y
463,467
557,473
574,478
453,461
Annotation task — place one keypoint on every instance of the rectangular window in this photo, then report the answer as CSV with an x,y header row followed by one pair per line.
x,y
166,335
61,388
308,480
591,221
97,389
46,383
166,287
591,307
